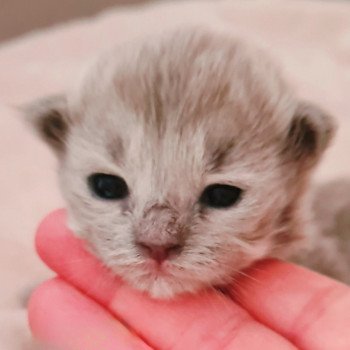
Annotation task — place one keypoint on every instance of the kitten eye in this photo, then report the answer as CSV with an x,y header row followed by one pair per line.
x,y
220,196
110,187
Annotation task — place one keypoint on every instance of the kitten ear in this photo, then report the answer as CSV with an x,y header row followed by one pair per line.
x,y
49,118
310,133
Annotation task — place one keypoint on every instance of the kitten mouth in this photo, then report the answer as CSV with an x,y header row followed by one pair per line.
x,y
159,285
161,281
161,269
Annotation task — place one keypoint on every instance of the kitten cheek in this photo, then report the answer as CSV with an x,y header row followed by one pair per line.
x,y
74,226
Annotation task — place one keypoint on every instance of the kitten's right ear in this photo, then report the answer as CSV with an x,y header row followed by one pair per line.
x,y
49,118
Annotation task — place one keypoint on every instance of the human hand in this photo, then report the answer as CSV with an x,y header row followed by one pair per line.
x,y
274,305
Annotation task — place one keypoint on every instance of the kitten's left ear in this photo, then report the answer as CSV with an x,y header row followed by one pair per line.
x,y
49,118
310,133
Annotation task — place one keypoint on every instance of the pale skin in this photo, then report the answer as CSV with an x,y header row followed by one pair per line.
x,y
274,305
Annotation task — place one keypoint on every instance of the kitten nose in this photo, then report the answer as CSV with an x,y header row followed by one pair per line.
x,y
159,253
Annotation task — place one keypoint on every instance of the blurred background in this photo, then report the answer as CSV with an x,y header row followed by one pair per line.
x,y
18,16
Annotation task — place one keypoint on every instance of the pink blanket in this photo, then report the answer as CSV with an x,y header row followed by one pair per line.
x,y
310,39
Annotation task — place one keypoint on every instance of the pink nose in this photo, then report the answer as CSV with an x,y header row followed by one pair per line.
x,y
159,253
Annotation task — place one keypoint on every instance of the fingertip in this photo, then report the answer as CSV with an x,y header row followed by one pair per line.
x,y
55,242
63,317
48,229
38,302
67,255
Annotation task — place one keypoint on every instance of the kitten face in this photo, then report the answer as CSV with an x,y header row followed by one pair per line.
x,y
171,119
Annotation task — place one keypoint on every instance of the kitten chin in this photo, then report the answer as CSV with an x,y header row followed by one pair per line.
x,y
164,288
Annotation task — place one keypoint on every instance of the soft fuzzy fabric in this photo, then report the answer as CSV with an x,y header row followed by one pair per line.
x,y
310,39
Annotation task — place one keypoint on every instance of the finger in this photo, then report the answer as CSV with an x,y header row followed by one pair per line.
x,y
64,319
207,321
311,310
66,255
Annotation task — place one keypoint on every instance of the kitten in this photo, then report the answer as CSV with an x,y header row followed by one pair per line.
x,y
184,159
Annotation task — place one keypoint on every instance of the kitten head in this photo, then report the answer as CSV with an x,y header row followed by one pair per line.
x,y
184,160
